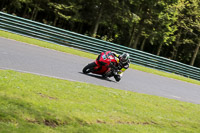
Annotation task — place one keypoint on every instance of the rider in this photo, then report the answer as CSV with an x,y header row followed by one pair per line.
x,y
123,64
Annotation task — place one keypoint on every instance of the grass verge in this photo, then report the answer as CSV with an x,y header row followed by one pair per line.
x,y
89,55
32,103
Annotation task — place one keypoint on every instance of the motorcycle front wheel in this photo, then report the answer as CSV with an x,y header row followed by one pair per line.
x,y
89,68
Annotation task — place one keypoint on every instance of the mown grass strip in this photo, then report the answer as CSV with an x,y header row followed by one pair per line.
x,y
89,55
32,103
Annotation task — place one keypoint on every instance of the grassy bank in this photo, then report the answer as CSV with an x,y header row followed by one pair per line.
x,y
89,55
32,103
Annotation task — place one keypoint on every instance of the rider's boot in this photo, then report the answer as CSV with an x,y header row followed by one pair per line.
x,y
117,77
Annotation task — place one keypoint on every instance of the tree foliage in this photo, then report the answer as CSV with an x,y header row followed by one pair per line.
x,y
169,28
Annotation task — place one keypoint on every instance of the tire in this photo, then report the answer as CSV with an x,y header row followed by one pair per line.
x,y
89,68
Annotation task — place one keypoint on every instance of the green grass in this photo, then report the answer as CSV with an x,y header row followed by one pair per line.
x,y
89,55
31,103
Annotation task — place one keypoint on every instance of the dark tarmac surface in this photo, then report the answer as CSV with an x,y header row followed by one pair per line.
x,y
37,60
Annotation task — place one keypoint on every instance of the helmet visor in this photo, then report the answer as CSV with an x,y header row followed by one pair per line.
x,y
123,60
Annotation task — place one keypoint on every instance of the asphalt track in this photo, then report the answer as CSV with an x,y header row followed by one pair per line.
x,y
33,59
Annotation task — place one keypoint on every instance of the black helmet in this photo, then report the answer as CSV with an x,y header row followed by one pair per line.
x,y
124,58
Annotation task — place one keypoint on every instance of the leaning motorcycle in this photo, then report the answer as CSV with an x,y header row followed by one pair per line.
x,y
105,65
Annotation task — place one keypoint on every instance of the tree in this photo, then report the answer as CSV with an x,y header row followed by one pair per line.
x,y
104,10
27,8
189,26
60,11
167,28
195,25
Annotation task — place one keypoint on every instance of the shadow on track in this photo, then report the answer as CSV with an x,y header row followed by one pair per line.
x,y
98,77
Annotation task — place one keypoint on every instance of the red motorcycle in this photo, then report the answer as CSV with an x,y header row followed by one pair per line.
x,y
105,65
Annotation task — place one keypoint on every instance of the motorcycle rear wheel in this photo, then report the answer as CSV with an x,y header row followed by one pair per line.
x,y
89,68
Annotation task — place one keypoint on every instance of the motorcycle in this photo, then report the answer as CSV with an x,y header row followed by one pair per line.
x,y
105,65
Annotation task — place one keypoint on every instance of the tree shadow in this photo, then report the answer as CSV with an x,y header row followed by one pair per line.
x,y
98,77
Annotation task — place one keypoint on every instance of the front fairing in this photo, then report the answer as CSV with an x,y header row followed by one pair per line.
x,y
103,61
